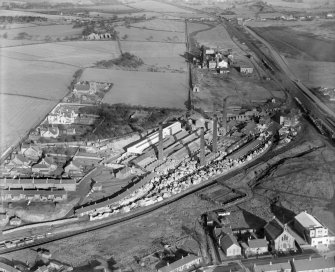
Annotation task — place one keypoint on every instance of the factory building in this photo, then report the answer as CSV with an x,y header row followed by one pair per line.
x,y
153,138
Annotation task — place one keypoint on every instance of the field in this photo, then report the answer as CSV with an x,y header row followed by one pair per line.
x,y
139,34
148,5
167,55
110,8
299,45
41,73
41,32
142,88
164,25
18,114
78,54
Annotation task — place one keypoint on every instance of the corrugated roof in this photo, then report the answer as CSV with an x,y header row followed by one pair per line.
x,y
179,263
307,220
313,263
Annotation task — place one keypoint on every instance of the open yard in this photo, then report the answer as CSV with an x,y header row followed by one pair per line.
x,y
152,89
139,34
167,55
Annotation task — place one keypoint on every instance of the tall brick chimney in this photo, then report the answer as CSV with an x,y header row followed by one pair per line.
x,y
160,143
215,135
202,147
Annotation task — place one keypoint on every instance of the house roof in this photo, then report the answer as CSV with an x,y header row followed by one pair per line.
x,y
228,240
40,166
313,264
274,228
256,243
307,220
49,160
272,267
21,158
8,268
181,262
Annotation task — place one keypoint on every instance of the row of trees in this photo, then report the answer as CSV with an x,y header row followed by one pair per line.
x,y
21,19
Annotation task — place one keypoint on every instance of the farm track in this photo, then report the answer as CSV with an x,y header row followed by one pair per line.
x,y
30,96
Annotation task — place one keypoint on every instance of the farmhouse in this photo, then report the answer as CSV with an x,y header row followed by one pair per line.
x,y
183,264
96,36
50,132
246,70
230,245
312,230
279,235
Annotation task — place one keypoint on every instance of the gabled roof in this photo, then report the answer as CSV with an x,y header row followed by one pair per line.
x,y
313,264
8,268
49,160
21,158
228,240
40,166
256,243
274,228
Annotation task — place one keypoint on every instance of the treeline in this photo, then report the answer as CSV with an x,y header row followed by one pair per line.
x,y
21,19
116,120
125,60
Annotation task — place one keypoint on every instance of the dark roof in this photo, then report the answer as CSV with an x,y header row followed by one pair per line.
x,y
228,240
274,228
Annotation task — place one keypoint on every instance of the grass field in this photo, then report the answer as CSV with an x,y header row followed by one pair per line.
x,y
169,55
18,114
149,5
138,34
79,54
40,32
142,88
165,25
297,44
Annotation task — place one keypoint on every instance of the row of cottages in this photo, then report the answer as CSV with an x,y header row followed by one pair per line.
x,y
312,231
97,36
320,264
187,263
33,195
45,184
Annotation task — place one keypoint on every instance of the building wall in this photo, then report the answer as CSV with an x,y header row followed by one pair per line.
x,y
233,250
284,242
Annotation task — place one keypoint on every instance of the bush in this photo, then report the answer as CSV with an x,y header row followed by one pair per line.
x,y
125,60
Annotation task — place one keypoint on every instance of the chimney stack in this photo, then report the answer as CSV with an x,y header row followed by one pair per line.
x,y
202,147
215,134
160,143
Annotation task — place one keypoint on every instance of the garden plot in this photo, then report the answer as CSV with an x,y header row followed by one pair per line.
x,y
142,88
167,55
138,34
